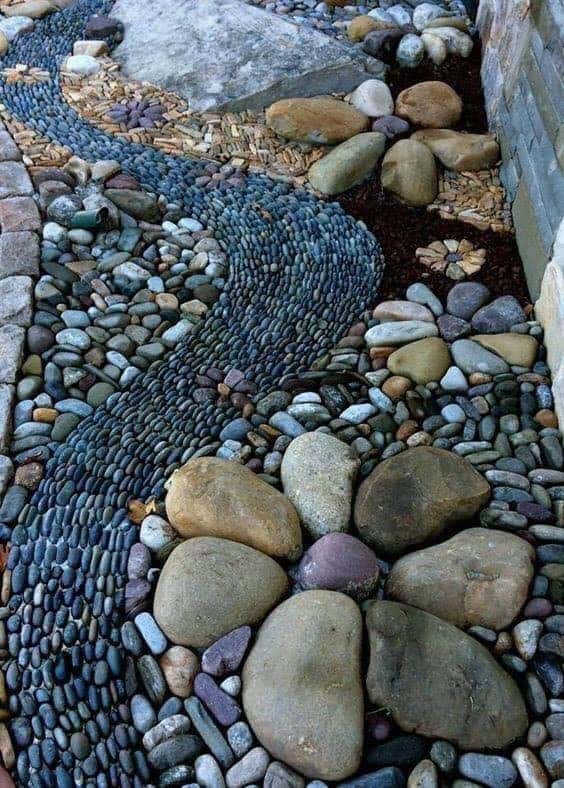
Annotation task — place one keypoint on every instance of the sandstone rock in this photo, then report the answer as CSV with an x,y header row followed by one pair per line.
x,y
210,586
339,562
422,361
317,473
84,65
347,165
431,104
319,120
479,577
402,310
409,171
302,691
412,497
360,26
214,497
518,349
458,151
34,9
179,666
373,98
440,682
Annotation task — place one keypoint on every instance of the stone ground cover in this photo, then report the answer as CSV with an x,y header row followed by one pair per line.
x,y
271,515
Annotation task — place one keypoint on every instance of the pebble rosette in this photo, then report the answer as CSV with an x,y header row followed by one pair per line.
x,y
300,270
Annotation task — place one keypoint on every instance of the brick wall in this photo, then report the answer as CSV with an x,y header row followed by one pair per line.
x,y
522,74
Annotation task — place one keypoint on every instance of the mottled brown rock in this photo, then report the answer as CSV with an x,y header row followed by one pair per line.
x,y
410,172
439,682
412,497
319,120
458,151
179,666
360,26
302,689
430,104
422,361
214,497
210,586
479,577
518,349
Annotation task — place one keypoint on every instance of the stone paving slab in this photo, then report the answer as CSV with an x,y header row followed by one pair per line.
x,y
19,254
12,340
8,149
6,401
14,180
226,54
18,214
16,301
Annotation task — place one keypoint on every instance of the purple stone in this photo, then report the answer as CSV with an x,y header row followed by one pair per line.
x,y
452,328
226,654
339,562
535,512
221,705
233,377
538,607
391,126
138,562
136,593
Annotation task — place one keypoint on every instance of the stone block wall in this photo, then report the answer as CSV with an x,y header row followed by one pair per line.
x,y
522,75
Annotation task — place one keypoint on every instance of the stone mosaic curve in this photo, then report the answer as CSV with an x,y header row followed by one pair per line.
x,y
300,270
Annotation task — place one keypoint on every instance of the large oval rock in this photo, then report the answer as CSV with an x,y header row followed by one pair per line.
x,y
347,165
302,689
339,562
479,577
409,171
320,120
318,472
458,151
439,682
214,497
412,497
210,586
431,104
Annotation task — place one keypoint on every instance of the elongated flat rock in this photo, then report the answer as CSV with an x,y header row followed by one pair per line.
x,y
225,54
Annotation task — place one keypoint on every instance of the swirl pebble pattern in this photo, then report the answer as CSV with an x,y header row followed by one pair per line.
x,y
300,271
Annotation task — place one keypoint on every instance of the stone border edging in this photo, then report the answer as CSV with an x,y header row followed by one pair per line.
x,y
550,311
19,262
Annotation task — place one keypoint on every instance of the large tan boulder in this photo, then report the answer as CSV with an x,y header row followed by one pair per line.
x,y
479,577
320,120
210,586
431,104
458,151
412,497
302,688
347,165
214,497
409,171
423,361
439,682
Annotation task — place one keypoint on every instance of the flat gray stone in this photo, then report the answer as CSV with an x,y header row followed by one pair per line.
x,y
9,151
12,340
19,254
14,180
225,54
16,301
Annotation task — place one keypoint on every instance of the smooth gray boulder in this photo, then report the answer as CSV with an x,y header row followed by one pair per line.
x,y
230,55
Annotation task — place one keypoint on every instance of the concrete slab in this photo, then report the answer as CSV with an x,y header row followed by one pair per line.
x,y
226,54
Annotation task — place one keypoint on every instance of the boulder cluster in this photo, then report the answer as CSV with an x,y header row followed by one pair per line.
x,y
361,127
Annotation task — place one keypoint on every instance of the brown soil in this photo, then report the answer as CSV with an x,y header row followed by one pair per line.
x,y
401,230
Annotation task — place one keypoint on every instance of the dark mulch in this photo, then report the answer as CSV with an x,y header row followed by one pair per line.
x,y
401,230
